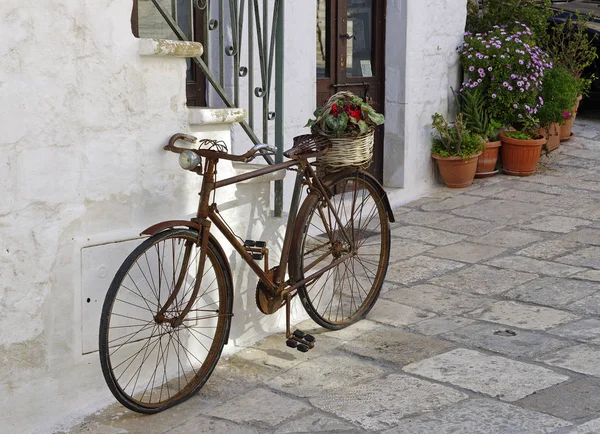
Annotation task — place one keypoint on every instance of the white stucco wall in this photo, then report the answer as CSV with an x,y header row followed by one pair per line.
x,y
83,118
421,66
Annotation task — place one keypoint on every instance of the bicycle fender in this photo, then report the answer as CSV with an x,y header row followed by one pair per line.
x,y
172,224
380,189
159,227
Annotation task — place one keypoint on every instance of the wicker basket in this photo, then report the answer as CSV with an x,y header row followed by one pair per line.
x,y
356,151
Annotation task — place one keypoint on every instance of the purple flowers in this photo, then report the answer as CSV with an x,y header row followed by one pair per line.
x,y
518,67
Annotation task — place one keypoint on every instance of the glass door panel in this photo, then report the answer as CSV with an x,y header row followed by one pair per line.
x,y
359,53
322,39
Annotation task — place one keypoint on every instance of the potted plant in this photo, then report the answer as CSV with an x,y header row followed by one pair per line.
x,y
559,93
509,68
472,105
572,46
349,123
456,150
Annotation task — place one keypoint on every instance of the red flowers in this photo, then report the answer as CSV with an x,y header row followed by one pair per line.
x,y
355,114
351,111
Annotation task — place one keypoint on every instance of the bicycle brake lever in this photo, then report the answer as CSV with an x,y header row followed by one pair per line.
x,y
180,136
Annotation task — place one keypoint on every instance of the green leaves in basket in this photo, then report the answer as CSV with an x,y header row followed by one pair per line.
x,y
337,125
362,125
376,118
345,114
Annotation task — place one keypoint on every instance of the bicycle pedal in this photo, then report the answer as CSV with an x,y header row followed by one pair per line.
x,y
303,348
300,336
256,249
291,343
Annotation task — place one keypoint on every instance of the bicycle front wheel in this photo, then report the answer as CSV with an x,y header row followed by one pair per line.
x,y
360,233
149,360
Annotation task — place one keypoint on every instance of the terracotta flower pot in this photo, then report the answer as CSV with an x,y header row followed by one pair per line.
x,y
565,129
552,135
456,171
520,157
486,163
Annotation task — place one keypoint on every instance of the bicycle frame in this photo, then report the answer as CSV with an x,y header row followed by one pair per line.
x,y
208,214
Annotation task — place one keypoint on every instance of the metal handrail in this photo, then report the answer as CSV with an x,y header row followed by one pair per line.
x,y
270,51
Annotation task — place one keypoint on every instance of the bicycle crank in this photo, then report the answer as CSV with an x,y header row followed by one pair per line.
x,y
265,302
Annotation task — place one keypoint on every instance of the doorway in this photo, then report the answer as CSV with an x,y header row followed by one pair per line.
x,y
350,56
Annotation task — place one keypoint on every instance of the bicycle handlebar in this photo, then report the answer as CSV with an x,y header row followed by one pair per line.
x,y
207,153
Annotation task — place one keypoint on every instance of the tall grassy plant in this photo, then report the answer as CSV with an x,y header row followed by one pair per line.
x,y
572,46
559,94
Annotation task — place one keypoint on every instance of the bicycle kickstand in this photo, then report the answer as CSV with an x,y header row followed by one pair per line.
x,y
298,339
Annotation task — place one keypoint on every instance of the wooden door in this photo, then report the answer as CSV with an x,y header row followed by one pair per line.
x,y
350,56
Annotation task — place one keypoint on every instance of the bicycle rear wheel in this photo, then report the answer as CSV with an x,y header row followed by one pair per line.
x,y
346,292
149,361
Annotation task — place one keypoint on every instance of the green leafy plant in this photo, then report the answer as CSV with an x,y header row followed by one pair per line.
x,y
572,46
349,115
473,105
454,140
508,68
560,89
485,14
520,135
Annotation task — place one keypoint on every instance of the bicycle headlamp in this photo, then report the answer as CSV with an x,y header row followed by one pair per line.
x,y
189,160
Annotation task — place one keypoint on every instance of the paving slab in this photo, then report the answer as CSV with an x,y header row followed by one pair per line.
x,y
405,248
574,400
451,203
555,191
467,226
549,249
260,408
426,235
520,263
272,352
315,422
581,358
584,236
593,275
587,305
204,425
382,403
422,218
552,291
439,325
511,238
325,373
501,211
480,416
557,224
523,196
495,376
466,252
481,279
486,191
436,299
590,212
591,427
397,314
585,257
396,346
523,316
419,268
505,340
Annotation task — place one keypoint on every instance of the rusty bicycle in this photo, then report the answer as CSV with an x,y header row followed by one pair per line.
x,y
167,313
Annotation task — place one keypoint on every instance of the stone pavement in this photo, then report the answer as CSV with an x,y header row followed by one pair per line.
x,y
489,322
